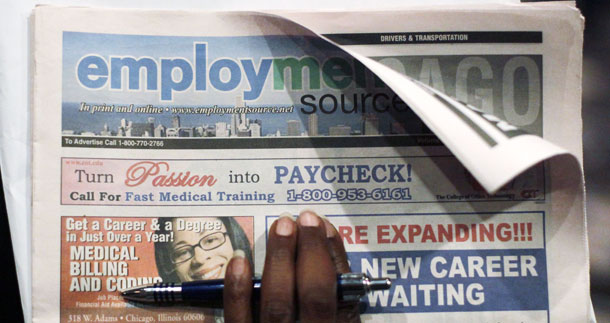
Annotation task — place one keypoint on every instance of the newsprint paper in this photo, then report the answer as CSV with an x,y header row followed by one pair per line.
x,y
417,132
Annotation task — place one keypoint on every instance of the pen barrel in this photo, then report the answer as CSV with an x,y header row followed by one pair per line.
x,y
160,293
207,293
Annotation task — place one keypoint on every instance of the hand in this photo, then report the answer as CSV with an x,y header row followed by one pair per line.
x,y
302,261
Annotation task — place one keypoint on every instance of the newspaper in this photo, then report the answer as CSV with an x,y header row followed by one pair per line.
x,y
14,122
416,132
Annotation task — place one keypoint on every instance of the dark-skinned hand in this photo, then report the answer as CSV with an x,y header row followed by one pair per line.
x,y
302,261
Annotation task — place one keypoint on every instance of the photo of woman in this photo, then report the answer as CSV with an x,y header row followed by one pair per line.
x,y
201,252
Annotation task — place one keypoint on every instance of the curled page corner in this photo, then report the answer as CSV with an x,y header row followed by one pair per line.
x,y
494,151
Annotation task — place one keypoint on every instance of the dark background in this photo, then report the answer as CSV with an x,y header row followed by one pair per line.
x,y
10,302
596,119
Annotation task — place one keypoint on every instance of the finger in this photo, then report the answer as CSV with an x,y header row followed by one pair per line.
x,y
347,312
316,276
237,292
336,248
278,282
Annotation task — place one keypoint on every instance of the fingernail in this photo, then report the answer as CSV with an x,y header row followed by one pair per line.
x,y
328,226
284,225
238,262
238,253
330,231
308,219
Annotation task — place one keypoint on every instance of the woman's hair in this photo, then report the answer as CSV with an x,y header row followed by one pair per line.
x,y
163,250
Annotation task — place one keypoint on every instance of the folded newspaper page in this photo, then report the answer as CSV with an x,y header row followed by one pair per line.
x,y
443,143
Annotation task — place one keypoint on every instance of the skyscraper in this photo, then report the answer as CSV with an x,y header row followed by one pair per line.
x,y
105,131
176,122
255,130
222,129
136,129
370,124
209,131
259,122
234,124
200,131
159,131
293,128
312,124
121,131
243,123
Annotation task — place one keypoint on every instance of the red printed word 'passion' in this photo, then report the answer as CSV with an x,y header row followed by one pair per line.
x,y
160,175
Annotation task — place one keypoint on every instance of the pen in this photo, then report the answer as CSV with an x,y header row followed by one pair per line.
x,y
350,288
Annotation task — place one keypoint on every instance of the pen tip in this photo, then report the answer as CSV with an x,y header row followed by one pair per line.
x,y
131,293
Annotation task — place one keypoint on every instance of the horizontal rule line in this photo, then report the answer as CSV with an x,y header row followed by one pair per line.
x,y
250,143
441,37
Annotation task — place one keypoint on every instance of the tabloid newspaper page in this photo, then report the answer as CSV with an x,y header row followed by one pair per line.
x,y
155,130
